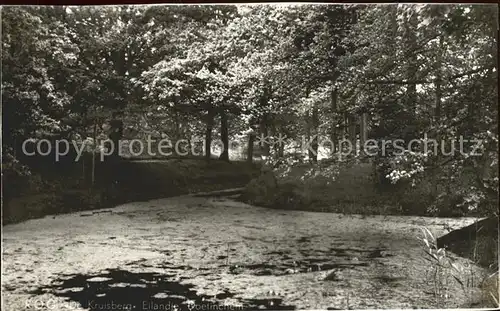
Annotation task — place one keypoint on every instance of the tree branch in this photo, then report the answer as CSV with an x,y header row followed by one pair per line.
x,y
406,82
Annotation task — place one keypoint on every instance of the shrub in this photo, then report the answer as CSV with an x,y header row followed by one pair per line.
x,y
415,200
292,196
32,206
261,190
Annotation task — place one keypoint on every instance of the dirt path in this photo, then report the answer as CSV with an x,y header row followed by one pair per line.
x,y
216,251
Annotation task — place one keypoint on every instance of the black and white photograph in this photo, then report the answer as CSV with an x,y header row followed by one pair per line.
x,y
253,156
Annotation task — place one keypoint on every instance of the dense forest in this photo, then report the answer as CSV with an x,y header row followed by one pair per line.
x,y
257,74
292,146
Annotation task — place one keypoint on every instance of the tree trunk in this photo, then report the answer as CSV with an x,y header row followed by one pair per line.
x,y
93,155
411,73
281,148
224,133
208,134
264,126
189,135
264,130
312,121
363,135
308,133
251,139
437,115
177,125
115,136
315,126
85,179
392,29
335,120
352,131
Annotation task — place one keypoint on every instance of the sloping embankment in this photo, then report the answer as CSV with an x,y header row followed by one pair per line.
x,y
478,242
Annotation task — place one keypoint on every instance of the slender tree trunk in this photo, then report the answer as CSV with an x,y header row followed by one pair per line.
x,y
208,134
83,171
437,113
224,133
189,136
251,139
392,29
281,150
335,120
177,125
312,120
308,133
363,135
264,130
116,136
411,45
411,70
352,131
93,154
281,147
84,130
264,122
315,132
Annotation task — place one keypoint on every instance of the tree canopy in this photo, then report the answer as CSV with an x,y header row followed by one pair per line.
x,y
408,71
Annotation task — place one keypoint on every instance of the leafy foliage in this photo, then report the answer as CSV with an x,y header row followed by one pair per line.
x,y
273,70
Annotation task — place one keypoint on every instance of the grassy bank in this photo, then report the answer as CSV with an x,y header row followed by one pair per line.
x,y
355,189
64,189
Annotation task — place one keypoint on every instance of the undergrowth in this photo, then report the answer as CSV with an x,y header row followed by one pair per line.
x,y
354,187
479,287
56,190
